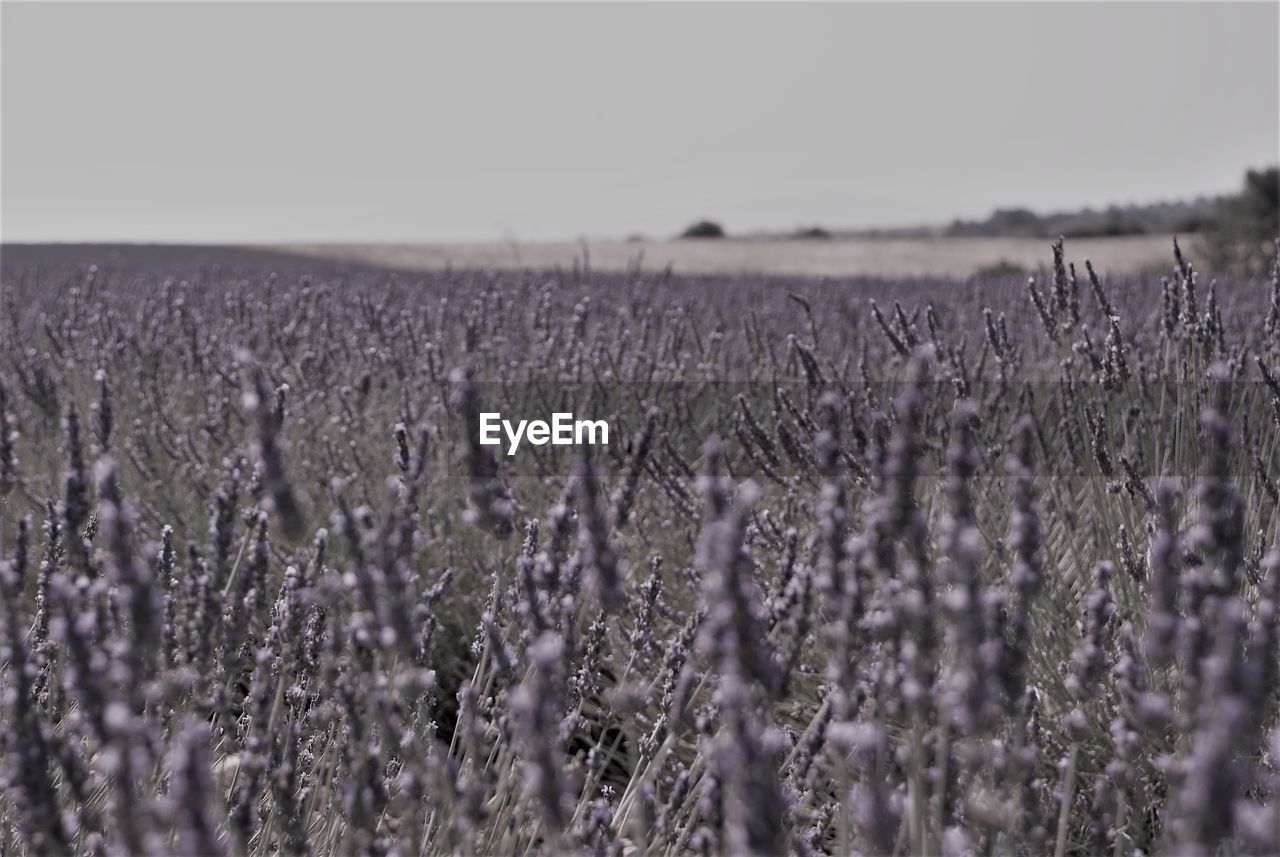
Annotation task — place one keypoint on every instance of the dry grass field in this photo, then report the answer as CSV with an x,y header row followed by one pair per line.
x,y
878,257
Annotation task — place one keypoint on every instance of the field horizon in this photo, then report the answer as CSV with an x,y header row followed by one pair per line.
x,y
957,257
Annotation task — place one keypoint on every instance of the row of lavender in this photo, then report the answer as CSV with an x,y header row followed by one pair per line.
x,y
980,567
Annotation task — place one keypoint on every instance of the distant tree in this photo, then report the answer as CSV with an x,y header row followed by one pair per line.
x,y
1017,222
1243,242
1182,217
704,229
1004,222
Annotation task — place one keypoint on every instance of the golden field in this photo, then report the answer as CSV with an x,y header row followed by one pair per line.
x,y
836,257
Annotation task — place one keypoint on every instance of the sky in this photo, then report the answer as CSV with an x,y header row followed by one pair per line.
x,y
407,122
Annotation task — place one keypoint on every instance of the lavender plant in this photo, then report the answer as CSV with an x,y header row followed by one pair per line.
x,y
869,568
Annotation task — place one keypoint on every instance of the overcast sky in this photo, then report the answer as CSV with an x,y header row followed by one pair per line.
x,y
415,122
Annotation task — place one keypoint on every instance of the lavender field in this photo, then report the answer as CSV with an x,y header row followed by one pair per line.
x,y
868,567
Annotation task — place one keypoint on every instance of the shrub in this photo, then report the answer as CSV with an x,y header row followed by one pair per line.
x,y
811,233
704,229
1242,242
1001,268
